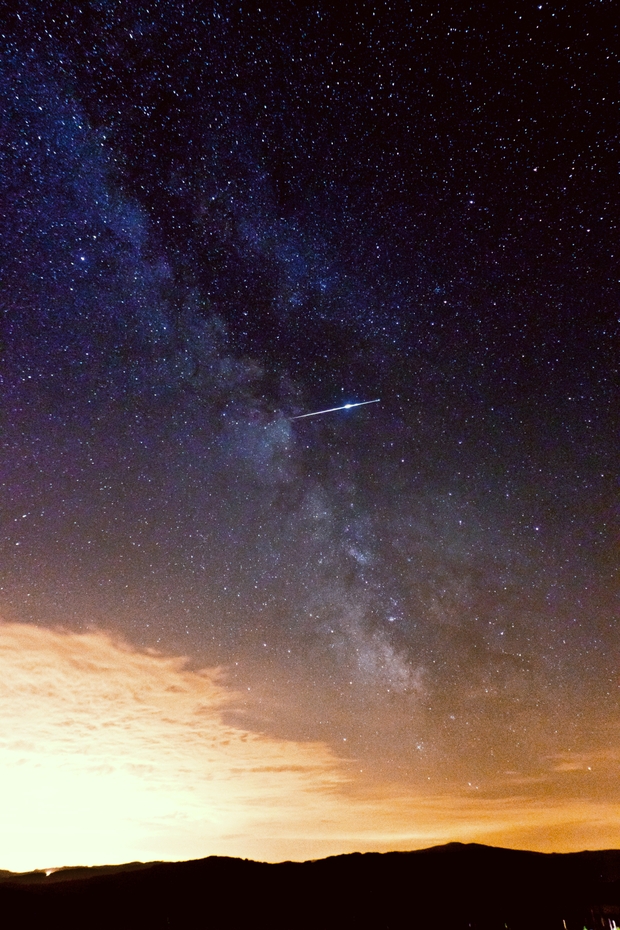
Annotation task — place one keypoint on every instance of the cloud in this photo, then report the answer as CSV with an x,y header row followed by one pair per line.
x,y
109,754
600,760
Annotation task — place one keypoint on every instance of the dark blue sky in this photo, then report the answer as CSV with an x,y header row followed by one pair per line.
x,y
217,217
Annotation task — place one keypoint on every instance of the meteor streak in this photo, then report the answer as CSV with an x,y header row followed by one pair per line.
x,y
317,413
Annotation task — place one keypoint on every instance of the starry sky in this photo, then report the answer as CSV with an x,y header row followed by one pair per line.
x,y
215,217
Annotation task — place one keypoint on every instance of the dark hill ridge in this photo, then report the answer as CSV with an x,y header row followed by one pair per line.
x,y
456,886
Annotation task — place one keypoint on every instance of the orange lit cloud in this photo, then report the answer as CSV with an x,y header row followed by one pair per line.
x,y
108,754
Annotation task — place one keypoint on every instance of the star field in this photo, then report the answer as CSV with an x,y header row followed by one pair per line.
x,y
216,218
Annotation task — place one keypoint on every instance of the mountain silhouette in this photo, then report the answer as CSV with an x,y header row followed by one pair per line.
x,y
453,886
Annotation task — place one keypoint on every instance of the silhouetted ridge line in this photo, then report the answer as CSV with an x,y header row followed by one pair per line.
x,y
456,886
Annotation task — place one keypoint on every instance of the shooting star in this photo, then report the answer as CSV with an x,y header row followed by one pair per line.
x,y
317,413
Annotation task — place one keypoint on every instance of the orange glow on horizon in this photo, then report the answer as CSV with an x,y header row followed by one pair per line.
x,y
109,754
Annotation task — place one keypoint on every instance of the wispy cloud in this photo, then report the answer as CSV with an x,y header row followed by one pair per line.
x,y
600,760
108,754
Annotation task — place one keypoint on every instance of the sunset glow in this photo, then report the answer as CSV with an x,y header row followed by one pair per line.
x,y
112,755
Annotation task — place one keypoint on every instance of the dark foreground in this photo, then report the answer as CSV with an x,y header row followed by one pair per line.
x,y
451,886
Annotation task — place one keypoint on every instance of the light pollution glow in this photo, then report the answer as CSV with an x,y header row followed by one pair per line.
x,y
109,754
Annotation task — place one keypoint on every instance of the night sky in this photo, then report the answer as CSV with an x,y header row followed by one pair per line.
x,y
215,217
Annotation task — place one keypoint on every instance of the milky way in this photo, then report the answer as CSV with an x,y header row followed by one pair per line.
x,y
215,218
